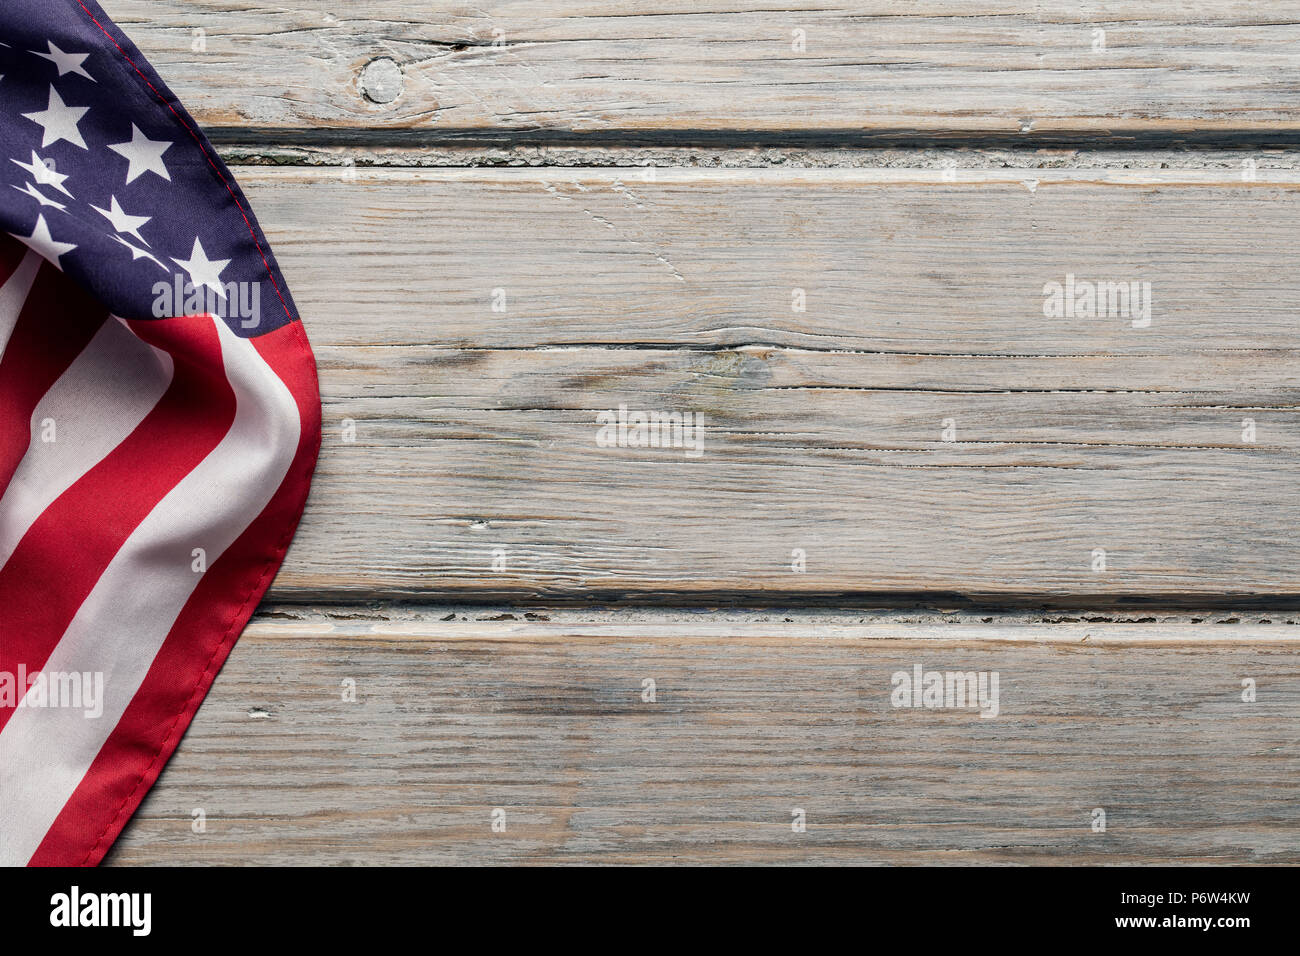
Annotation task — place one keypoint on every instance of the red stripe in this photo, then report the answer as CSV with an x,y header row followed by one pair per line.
x,y
189,421
197,644
53,327
11,254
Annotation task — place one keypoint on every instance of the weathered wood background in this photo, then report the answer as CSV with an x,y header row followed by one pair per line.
x,y
502,219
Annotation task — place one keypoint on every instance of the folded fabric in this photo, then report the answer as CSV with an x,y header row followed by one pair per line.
x,y
159,423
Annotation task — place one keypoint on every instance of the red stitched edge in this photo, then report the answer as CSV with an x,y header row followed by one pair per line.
x,y
205,680
277,555
226,642
194,134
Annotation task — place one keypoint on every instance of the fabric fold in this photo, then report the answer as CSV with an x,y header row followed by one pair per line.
x,y
159,425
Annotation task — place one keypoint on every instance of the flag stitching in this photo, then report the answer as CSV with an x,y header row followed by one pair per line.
x,y
287,513
197,139
203,680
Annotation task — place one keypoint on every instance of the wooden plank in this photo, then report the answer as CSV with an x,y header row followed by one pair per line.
x,y
750,720
673,71
473,433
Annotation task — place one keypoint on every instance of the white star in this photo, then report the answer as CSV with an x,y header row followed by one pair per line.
x,y
122,222
138,253
143,155
41,242
66,62
32,191
59,121
204,271
44,173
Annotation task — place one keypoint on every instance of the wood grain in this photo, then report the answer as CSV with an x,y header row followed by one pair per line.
x,y
751,720
475,430
666,71
456,435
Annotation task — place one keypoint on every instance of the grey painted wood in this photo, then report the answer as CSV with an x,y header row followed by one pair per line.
x,y
671,290
751,719
659,70
474,431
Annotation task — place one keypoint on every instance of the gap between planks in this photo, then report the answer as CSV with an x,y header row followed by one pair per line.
x,y
1266,137
1029,176
245,151
511,623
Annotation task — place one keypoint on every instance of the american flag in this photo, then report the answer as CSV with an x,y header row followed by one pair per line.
x,y
159,423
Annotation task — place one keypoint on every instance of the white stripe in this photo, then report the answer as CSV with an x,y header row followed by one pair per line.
x,y
13,295
96,403
45,752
